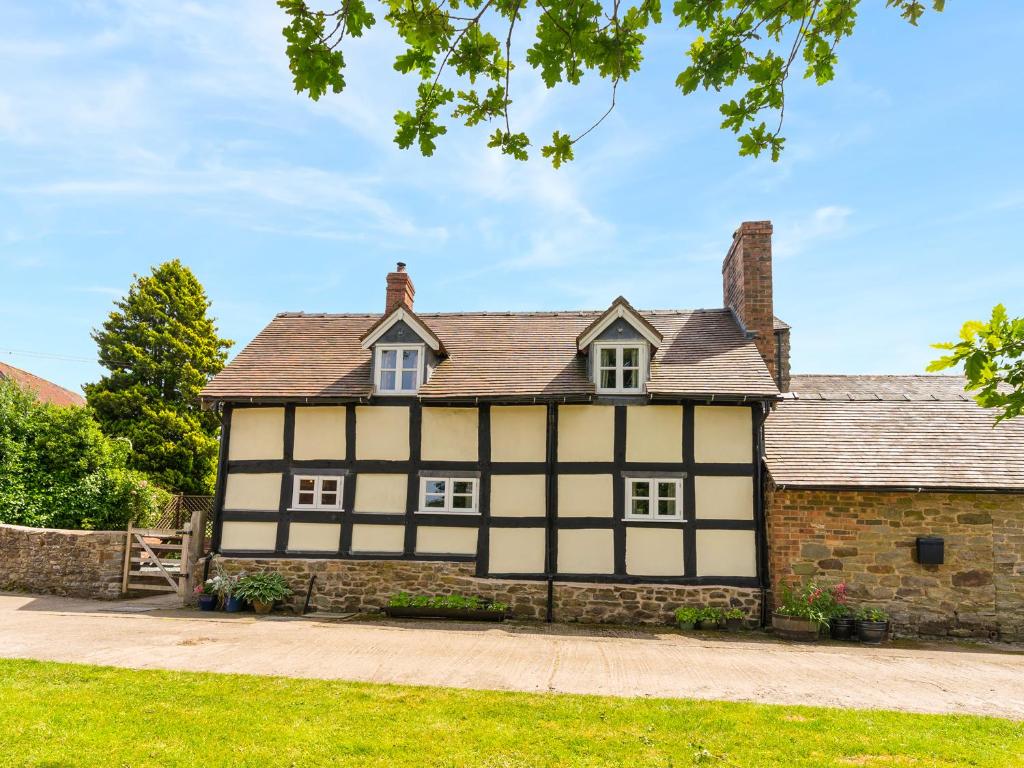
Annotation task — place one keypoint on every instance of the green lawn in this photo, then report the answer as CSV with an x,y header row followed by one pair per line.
x,y
71,715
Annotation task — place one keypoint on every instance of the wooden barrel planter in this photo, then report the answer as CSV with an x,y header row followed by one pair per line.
x,y
793,628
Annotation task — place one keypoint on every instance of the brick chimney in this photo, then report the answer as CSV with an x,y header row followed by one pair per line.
x,y
400,289
747,287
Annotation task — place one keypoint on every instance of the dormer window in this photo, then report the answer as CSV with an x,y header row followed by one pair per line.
x,y
399,368
619,368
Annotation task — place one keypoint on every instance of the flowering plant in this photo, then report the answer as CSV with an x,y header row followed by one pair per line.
x,y
206,588
811,602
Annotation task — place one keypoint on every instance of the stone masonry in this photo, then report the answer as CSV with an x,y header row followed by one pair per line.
x,y
68,563
366,585
867,539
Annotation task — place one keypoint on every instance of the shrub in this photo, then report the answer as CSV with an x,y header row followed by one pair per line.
x,y
735,613
811,602
711,615
265,587
58,470
688,615
872,614
461,602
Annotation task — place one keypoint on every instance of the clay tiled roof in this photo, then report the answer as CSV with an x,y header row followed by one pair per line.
x,y
45,391
491,355
890,431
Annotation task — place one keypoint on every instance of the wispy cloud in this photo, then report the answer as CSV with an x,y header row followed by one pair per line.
x,y
796,236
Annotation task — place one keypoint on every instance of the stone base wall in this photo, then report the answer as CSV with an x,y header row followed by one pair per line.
x,y
366,585
68,563
867,539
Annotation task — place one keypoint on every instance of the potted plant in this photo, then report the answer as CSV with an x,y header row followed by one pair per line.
x,y
224,585
872,625
711,617
687,617
801,615
206,595
734,620
840,619
262,590
404,605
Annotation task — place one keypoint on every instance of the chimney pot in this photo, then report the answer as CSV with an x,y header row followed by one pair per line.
x,y
401,266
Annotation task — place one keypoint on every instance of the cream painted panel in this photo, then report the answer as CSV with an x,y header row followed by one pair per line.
x,y
586,550
381,493
726,553
445,540
586,432
382,432
253,491
519,433
518,495
450,434
722,433
314,537
584,495
319,433
654,433
378,538
236,536
654,551
724,498
516,550
256,433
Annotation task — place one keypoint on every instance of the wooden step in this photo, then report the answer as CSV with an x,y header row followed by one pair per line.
x,y
174,547
165,587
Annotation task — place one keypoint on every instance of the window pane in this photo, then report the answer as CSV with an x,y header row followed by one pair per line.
x,y
434,486
389,358
608,379
463,486
328,499
307,484
608,358
408,380
667,490
667,507
387,380
306,498
641,488
433,501
410,359
329,484
629,378
630,357
641,507
462,502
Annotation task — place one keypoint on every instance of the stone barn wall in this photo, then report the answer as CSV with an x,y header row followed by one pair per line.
x,y
867,539
55,562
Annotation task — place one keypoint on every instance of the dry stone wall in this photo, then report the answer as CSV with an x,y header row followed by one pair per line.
x,y
867,539
365,586
55,562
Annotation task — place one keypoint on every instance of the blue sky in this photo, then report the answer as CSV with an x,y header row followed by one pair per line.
x,y
134,132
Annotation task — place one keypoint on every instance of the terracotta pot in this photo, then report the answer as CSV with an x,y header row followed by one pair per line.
x,y
262,608
793,628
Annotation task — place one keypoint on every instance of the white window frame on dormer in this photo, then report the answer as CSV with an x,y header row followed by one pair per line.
x,y
618,346
399,349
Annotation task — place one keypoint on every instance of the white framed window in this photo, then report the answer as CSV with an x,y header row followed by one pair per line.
x,y
398,368
619,368
654,498
455,495
317,491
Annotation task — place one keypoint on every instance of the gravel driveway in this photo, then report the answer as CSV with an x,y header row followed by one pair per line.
x,y
520,657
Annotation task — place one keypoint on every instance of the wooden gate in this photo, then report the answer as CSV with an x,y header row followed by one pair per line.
x,y
160,559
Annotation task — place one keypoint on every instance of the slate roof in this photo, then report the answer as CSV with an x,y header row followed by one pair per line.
x,y
890,431
45,391
491,355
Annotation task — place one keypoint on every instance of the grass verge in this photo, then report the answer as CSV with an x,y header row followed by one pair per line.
x,y
74,715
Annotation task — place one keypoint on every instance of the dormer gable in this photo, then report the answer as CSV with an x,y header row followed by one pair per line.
x,y
401,326
620,344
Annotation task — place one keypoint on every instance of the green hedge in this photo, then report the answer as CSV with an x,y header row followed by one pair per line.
x,y
58,470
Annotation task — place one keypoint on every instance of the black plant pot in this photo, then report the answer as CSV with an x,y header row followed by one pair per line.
x,y
872,632
708,624
842,627
733,625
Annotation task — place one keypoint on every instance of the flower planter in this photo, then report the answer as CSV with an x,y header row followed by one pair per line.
x,y
733,625
842,628
708,625
685,625
423,612
793,628
207,602
872,632
234,604
261,607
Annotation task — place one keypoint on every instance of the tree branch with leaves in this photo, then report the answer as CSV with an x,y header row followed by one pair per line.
x,y
465,69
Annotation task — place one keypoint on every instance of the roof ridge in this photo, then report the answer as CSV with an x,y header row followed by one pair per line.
x,y
505,313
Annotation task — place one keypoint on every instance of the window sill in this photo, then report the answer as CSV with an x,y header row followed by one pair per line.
x,y
472,513
314,509
395,392
655,520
